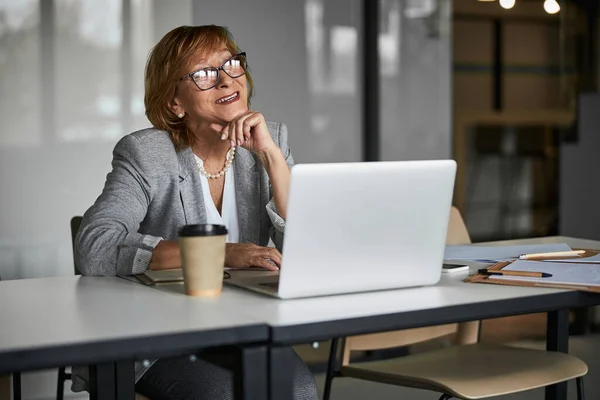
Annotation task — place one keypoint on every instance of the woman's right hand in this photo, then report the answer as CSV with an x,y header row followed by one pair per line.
x,y
244,255
166,255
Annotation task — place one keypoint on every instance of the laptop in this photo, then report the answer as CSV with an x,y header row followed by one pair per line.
x,y
358,227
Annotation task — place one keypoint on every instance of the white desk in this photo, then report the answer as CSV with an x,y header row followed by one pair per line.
x,y
305,320
286,316
85,320
571,241
62,321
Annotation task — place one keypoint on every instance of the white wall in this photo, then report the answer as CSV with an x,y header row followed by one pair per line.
x,y
416,96
48,174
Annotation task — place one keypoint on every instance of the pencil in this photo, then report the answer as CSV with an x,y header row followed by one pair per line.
x,y
529,274
557,254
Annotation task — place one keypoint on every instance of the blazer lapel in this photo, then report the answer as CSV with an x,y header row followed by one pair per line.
x,y
190,188
247,195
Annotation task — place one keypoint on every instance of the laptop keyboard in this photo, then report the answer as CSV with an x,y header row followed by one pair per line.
x,y
271,285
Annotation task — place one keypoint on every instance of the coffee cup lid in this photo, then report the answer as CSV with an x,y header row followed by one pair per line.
x,y
202,230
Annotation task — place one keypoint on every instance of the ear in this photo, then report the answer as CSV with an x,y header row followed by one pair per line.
x,y
175,105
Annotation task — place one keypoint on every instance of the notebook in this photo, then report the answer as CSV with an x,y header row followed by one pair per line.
x,y
150,277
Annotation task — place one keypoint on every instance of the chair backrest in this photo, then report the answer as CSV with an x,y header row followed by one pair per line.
x,y
75,224
457,230
465,332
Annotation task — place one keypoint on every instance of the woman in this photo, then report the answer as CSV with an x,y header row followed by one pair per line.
x,y
208,159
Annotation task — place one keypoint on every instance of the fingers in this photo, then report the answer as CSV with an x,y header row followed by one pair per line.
x,y
229,131
238,134
272,257
217,128
239,131
259,261
275,256
268,258
223,131
239,255
243,126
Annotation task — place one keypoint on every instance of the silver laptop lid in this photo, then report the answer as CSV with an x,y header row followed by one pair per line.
x,y
355,227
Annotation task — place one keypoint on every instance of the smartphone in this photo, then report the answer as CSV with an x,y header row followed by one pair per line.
x,y
454,267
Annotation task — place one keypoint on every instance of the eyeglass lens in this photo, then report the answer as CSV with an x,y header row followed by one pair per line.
x,y
207,77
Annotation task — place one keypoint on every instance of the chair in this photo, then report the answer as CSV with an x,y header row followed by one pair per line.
x,y
5,380
5,384
462,371
63,375
75,224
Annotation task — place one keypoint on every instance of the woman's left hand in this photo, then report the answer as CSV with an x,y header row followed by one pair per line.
x,y
248,130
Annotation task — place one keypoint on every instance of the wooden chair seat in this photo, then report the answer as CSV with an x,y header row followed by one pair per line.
x,y
474,371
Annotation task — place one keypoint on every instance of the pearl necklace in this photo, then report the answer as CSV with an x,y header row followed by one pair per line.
x,y
228,161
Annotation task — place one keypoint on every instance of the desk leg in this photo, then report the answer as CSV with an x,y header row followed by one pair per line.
x,y
281,374
250,373
582,325
125,380
102,381
16,385
557,339
249,366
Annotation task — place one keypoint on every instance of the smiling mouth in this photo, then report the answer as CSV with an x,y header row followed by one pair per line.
x,y
228,99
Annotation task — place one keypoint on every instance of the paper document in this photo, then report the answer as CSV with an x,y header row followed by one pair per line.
x,y
592,259
493,254
562,272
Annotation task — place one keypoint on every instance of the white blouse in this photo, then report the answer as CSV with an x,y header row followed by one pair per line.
x,y
229,216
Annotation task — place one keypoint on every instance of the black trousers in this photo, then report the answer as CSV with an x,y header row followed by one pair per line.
x,y
182,379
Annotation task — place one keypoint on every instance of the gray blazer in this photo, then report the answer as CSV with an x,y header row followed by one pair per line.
x,y
153,190
150,193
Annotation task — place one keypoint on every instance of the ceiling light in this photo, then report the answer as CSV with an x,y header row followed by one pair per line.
x,y
507,4
551,6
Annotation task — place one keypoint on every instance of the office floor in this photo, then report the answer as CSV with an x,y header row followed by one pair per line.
x,y
585,347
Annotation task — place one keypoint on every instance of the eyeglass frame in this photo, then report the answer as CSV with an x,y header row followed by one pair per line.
x,y
219,69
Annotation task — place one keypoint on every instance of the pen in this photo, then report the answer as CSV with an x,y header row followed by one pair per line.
x,y
530,274
573,253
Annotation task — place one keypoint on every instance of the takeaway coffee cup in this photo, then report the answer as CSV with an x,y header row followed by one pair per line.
x,y
203,258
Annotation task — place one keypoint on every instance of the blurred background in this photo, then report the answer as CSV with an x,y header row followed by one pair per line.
x,y
507,88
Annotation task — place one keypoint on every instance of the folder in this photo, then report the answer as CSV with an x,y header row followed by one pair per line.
x,y
564,275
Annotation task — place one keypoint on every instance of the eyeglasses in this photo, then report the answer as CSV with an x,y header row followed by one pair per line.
x,y
207,78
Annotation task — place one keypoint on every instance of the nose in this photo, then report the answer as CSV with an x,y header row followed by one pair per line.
x,y
224,80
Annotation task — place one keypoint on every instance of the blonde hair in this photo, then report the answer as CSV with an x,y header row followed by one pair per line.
x,y
177,50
